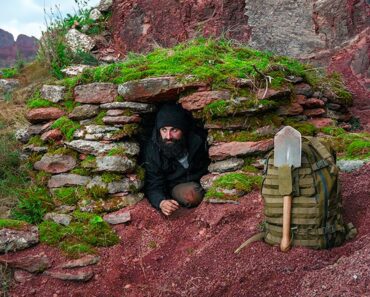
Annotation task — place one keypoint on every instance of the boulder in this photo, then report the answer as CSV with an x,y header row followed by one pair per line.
x,y
52,135
290,110
79,41
85,111
134,106
55,163
321,122
224,150
316,112
199,100
76,275
125,185
117,217
95,14
82,262
74,70
95,93
113,120
8,85
313,103
105,5
43,114
53,93
14,240
61,180
154,89
95,129
96,148
231,164
303,89
31,263
59,218
114,163
350,165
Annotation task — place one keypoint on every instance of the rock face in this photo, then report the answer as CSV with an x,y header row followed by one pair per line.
x,y
14,240
26,46
200,99
62,180
53,93
137,22
33,264
43,114
77,40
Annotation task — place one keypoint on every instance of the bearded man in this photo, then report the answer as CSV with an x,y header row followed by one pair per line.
x,y
175,159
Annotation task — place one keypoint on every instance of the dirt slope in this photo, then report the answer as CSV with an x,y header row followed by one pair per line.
x,y
191,254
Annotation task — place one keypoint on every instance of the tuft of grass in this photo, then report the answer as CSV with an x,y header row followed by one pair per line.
x,y
117,151
89,162
33,203
70,195
36,101
66,126
98,120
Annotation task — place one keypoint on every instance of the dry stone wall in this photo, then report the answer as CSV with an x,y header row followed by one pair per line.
x,y
94,147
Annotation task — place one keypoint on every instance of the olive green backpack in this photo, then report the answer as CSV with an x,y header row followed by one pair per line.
x,y
316,215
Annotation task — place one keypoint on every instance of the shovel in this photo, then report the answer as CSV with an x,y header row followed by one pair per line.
x,y
287,154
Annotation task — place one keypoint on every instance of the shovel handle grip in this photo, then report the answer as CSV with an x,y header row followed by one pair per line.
x,y
285,240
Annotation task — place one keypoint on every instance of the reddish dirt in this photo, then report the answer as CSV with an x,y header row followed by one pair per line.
x,y
192,254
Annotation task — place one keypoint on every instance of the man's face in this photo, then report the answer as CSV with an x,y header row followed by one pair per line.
x,y
170,134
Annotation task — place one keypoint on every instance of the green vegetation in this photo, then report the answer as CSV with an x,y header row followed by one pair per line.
x,y
62,151
36,101
81,171
348,145
109,177
8,72
117,151
85,232
98,120
12,224
89,162
36,141
303,127
41,178
235,180
66,126
33,203
53,51
140,172
70,195
239,135
127,130
97,192
13,174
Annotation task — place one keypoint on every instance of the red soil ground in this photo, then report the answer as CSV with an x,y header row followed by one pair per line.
x,y
192,254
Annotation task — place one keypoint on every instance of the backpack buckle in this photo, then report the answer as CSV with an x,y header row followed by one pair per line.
x,y
319,164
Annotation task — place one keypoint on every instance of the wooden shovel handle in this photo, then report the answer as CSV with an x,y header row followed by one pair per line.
x,y
285,240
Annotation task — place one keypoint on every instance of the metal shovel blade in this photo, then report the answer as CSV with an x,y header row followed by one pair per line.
x,y
287,147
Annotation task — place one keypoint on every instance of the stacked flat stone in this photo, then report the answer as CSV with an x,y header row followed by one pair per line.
x,y
94,141
124,105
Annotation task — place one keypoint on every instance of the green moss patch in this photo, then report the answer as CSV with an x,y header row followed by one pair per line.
x,y
85,232
241,136
304,128
109,177
98,120
89,162
127,130
12,224
117,151
70,195
36,141
66,126
237,181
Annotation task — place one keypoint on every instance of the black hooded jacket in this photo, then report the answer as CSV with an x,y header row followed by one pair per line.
x,y
162,174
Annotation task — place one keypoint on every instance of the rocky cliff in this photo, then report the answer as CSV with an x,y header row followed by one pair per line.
x,y
24,45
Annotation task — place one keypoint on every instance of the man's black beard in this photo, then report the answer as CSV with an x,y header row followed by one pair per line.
x,y
173,150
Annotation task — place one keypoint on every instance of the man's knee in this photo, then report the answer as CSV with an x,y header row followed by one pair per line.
x,y
188,194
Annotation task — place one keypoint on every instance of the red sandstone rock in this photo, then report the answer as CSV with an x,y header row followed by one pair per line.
x,y
221,151
136,23
55,163
313,103
122,119
321,122
76,275
53,135
154,89
303,89
316,112
301,99
200,99
82,262
290,110
44,114
36,263
96,93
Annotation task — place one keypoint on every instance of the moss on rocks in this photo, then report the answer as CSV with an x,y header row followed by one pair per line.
x,y
66,126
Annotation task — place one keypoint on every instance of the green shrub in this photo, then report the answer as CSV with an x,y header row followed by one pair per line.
x,y
8,72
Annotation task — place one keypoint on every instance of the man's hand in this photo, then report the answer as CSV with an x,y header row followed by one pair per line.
x,y
168,206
